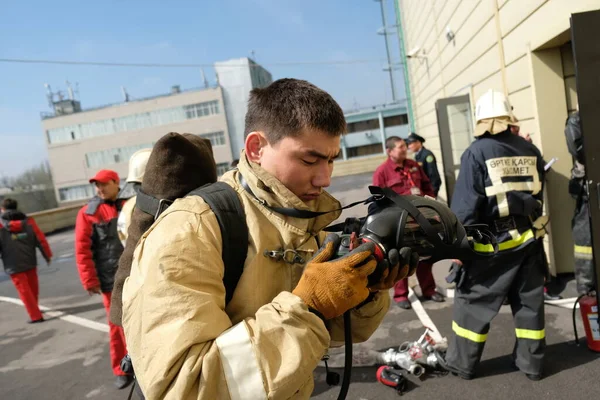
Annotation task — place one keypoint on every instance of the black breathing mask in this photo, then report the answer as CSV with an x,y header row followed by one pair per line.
x,y
425,225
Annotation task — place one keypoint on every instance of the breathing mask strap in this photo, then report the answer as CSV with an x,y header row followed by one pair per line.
x,y
294,212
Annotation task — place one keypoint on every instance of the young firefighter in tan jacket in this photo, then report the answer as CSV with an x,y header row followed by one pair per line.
x,y
185,343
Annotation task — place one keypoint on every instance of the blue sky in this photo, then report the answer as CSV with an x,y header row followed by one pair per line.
x,y
278,31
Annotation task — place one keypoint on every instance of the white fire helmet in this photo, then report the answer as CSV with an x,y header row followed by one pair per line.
x,y
137,165
492,104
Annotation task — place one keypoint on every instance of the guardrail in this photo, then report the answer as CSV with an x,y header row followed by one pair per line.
x,y
57,218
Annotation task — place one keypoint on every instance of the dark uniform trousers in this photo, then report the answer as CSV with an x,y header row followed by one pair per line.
x,y
518,275
582,238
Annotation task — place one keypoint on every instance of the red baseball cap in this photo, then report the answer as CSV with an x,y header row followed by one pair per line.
x,y
105,176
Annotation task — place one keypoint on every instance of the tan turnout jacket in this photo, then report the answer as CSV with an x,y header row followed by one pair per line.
x,y
186,344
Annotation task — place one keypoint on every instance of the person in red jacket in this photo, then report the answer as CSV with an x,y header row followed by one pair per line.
x,y
19,237
97,251
405,176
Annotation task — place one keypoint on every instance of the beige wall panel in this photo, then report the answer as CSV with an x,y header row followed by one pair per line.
x,y
472,51
447,12
476,72
523,103
428,44
416,17
518,75
502,3
425,30
432,67
466,23
423,81
438,7
515,12
551,108
547,22
571,91
434,87
431,133
492,82
566,53
428,118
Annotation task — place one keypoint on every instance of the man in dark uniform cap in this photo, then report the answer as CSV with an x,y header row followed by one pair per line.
x,y
426,160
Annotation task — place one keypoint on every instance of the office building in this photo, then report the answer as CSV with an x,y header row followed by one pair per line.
x,y
82,141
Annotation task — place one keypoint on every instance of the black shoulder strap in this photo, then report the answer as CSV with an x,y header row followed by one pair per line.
x,y
226,205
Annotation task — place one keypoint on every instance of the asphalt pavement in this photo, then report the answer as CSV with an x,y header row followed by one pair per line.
x,y
66,357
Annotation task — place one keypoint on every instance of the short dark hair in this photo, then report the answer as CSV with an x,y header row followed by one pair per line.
x,y
9,204
287,106
390,142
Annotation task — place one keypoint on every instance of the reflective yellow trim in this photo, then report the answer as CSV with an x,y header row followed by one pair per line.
x,y
530,334
583,249
467,334
509,244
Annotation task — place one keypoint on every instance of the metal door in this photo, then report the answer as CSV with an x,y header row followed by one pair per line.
x,y
455,124
585,31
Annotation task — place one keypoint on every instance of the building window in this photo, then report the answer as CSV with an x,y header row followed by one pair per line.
x,y
364,150
361,126
116,155
222,168
395,120
79,192
202,109
132,122
216,138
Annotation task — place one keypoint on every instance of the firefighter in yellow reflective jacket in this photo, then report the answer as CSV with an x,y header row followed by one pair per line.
x,y
184,340
500,184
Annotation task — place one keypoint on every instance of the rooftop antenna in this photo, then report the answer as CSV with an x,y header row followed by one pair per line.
x,y
49,95
252,53
204,78
77,90
125,94
70,90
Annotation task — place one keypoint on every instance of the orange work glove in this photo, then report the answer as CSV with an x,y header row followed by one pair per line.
x,y
332,287
404,264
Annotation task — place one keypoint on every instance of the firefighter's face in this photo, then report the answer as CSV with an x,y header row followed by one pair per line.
x,y
398,153
108,190
303,164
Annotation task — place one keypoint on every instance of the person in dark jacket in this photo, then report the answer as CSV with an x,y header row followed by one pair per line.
x,y
500,184
426,160
97,251
19,237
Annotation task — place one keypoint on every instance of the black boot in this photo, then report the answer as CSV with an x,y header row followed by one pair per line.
x,y
123,381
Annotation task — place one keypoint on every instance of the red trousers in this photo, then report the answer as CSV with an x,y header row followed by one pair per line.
x,y
426,282
28,289
118,350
